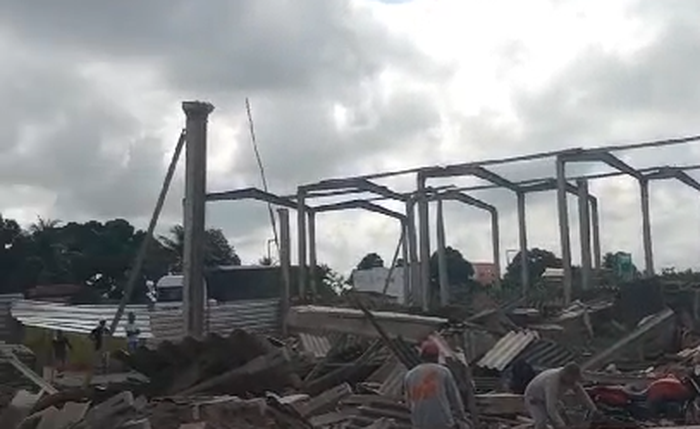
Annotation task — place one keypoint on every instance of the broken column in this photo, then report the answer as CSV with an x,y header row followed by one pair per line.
x,y
194,298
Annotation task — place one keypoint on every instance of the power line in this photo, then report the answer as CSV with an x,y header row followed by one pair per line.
x,y
261,168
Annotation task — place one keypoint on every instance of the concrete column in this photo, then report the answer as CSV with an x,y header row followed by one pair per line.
x,y
194,220
424,240
412,241
646,228
495,242
595,223
301,240
584,232
406,269
564,238
313,263
285,264
522,238
442,257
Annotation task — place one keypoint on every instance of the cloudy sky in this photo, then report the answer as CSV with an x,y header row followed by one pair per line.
x,y
93,89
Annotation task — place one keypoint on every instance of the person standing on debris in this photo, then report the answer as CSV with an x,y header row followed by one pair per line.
x,y
432,394
543,393
132,333
97,336
61,345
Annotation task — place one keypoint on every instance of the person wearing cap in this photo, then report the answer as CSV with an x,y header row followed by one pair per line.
x,y
544,391
432,394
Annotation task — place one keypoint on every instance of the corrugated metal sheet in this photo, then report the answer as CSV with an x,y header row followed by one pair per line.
x,y
252,315
159,324
507,349
545,354
317,345
393,384
76,318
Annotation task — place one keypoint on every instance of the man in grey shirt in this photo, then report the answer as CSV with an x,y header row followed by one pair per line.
x,y
543,393
432,394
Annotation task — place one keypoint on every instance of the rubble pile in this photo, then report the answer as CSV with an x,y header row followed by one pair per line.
x,y
344,368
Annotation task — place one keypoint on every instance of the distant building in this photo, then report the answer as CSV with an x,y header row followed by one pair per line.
x,y
485,273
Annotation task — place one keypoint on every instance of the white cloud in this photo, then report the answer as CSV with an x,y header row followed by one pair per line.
x,y
341,88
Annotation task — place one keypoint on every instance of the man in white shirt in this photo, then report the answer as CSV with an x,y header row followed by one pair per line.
x,y
543,393
132,333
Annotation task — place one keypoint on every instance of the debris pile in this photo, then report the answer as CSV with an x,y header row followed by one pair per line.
x,y
344,368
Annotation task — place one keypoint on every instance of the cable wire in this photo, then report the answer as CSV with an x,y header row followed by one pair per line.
x,y
263,178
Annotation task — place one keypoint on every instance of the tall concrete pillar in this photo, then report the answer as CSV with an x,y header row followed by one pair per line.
x,y
595,223
564,228
442,257
424,240
285,264
646,228
313,263
496,243
301,240
412,241
522,239
194,297
584,232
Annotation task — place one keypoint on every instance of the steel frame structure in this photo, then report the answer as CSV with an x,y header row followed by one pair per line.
x,y
422,198
463,198
588,215
593,155
368,206
349,185
664,173
285,238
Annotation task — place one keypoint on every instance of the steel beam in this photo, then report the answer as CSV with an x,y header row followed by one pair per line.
x,y
442,258
252,194
305,192
662,173
584,215
364,205
424,212
474,202
590,224
595,155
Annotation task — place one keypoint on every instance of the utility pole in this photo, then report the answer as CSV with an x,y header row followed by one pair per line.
x,y
194,298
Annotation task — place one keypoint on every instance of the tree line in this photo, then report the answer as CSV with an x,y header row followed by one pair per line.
x,y
95,254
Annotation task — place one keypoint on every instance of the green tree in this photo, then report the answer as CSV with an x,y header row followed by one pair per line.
x,y
460,273
369,261
538,261
218,251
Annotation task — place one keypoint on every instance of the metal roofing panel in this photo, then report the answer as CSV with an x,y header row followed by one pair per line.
x,y
545,354
507,349
76,318
317,345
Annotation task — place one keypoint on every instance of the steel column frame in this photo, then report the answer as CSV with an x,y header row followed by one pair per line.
x,y
495,230
424,213
285,246
588,214
662,173
366,205
305,192
580,155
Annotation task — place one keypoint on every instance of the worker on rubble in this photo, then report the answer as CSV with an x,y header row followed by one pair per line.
x,y
543,393
132,333
432,394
